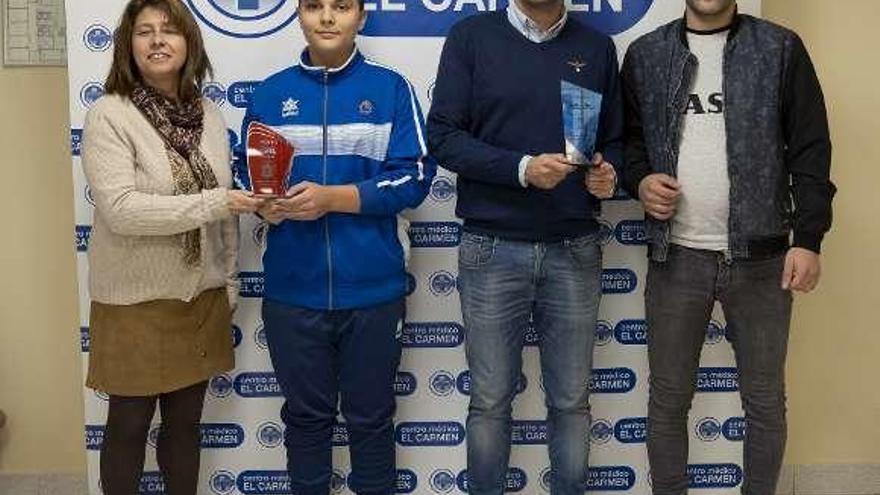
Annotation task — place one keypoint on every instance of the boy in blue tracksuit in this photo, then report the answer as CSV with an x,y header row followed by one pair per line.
x,y
335,279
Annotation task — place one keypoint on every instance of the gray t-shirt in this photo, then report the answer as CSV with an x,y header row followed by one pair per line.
x,y
700,221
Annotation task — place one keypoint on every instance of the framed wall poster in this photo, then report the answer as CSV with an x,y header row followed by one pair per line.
x,y
34,33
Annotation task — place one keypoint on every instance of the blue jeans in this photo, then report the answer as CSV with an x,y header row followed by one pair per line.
x,y
679,298
349,356
503,283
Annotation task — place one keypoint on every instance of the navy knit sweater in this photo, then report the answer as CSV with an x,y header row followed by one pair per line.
x,y
497,98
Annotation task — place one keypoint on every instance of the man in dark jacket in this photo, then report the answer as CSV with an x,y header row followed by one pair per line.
x,y
531,247
728,150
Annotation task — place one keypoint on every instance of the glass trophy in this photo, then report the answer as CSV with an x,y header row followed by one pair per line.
x,y
581,109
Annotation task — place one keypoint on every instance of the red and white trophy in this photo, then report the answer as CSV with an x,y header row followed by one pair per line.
x,y
269,160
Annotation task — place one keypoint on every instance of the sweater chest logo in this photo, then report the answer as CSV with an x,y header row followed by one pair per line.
x,y
290,108
576,64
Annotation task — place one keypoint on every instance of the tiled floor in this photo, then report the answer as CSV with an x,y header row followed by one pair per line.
x,y
794,480
55,484
842,479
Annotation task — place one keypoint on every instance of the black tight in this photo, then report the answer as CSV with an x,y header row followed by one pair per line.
x,y
177,448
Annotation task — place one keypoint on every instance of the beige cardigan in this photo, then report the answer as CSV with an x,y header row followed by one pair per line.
x,y
134,254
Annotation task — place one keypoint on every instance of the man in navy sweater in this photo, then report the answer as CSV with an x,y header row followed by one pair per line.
x,y
530,250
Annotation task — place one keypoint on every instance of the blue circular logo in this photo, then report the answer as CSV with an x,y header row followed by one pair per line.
x,y
522,384
442,383
153,436
601,431
442,189
708,429
97,38
245,18
442,283
90,93
337,482
214,92
714,333
545,479
606,232
222,482
259,233
260,337
604,333
442,481
270,435
220,386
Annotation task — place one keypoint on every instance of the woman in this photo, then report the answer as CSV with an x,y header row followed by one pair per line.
x,y
163,250
334,264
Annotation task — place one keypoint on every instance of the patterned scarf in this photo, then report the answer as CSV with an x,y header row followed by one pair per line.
x,y
180,125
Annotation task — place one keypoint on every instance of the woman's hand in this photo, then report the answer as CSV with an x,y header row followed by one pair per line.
x,y
240,202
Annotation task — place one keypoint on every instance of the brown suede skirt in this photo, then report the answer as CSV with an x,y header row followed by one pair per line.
x,y
159,346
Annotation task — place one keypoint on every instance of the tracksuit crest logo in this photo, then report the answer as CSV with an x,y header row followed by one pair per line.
x,y
290,108
366,107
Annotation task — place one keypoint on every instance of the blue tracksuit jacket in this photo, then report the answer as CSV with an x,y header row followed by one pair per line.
x,y
359,124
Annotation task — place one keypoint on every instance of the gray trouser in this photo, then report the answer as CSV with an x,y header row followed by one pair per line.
x,y
679,298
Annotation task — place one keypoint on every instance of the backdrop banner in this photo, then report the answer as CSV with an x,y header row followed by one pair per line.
x,y
242,434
